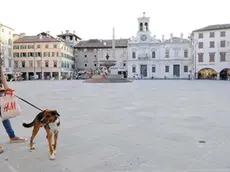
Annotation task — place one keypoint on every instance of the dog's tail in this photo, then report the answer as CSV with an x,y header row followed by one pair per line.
x,y
29,124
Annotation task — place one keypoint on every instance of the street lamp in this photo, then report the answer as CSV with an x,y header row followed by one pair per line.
x,y
34,63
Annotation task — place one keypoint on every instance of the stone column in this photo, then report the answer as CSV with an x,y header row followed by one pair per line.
x,y
27,75
218,76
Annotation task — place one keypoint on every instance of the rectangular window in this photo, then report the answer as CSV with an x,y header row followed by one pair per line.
x,y
166,53
38,63
185,68
153,54
167,69
211,57
185,53
55,63
222,44
23,64
133,55
53,54
57,54
200,45
211,34
38,46
222,34
16,54
211,44
46,54
222,56
15,64
133,69
30,54
200,57
30,63
200,35
47,46
46,63
55,45
153,69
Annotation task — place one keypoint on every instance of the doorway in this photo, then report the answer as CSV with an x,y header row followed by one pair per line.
x,y
144,71
176,70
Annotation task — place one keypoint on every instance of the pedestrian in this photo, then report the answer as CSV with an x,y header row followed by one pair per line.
x,y
6,123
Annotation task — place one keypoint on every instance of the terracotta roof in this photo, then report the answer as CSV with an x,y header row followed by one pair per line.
x,y
69,34
33,39
214,27
176,40
96,43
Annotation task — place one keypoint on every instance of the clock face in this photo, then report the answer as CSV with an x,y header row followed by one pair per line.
x,y
143,37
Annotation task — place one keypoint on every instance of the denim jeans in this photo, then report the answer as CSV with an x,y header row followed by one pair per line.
x,y
7,125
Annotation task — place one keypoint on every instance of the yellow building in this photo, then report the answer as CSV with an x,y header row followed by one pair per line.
x,y
43,56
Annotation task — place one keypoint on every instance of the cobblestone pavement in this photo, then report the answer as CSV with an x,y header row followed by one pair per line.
x,y
143,126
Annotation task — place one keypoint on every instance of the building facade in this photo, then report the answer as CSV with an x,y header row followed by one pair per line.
x,y
6,47
149,57
71,39
43,56
91,53
211,51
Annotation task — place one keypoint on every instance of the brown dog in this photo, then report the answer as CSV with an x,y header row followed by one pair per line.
x,y
50,120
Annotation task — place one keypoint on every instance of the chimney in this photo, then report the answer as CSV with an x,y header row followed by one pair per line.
x,y
154,36
40,36
61,32
171,36
104,43
181,37
74,32
163,38
67,31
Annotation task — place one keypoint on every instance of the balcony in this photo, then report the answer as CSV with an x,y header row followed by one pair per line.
x,y
144,56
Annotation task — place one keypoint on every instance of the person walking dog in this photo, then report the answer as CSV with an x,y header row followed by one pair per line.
x,y
6,123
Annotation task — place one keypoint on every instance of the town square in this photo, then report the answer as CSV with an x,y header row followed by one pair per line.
x,y
114,86
139,126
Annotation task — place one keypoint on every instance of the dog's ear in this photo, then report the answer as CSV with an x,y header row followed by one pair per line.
x,y
55,113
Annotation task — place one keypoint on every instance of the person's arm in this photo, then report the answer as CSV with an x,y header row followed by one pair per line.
x,y
3,78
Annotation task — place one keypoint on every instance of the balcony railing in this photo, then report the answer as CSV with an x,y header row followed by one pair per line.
x,y
143,56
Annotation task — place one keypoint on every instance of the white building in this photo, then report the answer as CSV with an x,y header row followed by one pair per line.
x,y
6,47
212,51
91,53
149,57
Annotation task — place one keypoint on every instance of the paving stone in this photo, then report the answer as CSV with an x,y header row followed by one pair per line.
x,y
143,126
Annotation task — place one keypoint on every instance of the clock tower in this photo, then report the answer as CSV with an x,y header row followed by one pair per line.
x,y
143,28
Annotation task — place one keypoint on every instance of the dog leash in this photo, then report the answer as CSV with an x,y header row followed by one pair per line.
x,y
28,103
10,91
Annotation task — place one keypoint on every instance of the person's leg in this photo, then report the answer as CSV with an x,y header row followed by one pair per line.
x,y
10,132
8,128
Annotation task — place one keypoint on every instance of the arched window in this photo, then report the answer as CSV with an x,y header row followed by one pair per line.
x,y
146,26
133,69
141,26
133,55
153,54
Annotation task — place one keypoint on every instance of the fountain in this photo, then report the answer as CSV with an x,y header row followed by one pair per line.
x,y
108,73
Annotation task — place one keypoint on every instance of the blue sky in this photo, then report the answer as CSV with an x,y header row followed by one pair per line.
x,y
95,18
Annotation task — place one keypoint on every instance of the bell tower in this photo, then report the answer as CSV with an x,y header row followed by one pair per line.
x,y
143,23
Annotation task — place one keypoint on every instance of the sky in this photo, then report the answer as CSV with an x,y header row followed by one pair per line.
x,y
95,19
